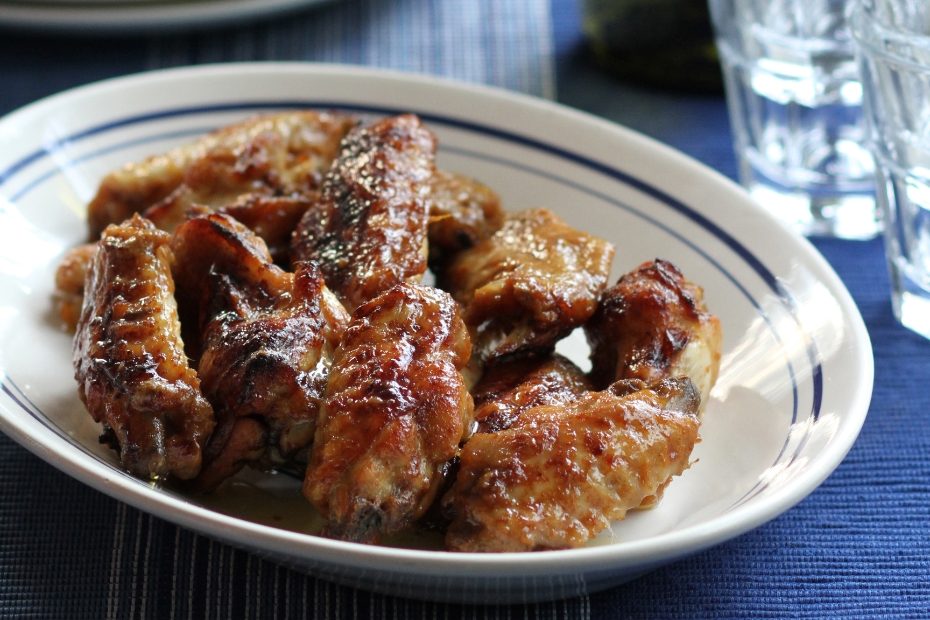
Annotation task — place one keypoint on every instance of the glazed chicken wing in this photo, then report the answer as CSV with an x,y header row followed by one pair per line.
x,y
529,284
268,338
271,218
395,411
69,283
651,325
282,155
505,391
562,473
368,231
508,389
129,359
462,213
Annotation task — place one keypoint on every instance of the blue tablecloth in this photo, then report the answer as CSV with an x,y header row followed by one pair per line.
x,y
858,546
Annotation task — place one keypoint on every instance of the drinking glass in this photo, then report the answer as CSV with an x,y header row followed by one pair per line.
x,y
795,103
893,41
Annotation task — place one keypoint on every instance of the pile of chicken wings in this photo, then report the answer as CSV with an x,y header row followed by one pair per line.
x,y
255,299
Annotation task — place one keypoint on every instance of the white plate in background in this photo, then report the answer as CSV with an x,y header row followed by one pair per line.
x,y
130,16
797,369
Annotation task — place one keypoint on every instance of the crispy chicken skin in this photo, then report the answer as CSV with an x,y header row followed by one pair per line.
x,y
129,359
69,283
463,212
394,413
273,155
508,389
368,232
268,338
651,325
529,284
562,473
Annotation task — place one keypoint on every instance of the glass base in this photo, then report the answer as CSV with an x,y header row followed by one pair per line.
x,y
911,302
844,216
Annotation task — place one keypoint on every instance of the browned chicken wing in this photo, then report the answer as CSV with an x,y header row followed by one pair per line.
x,y
282,154
129,359
529,284
268,338
562,473
221,266
271,218
504,392
508,389
395,411
651,325
69,283
462,213
368,232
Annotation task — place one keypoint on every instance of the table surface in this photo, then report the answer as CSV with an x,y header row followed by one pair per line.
x,y
858,546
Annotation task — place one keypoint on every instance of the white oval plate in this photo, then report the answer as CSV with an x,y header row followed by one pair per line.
x,y
797,370
123,16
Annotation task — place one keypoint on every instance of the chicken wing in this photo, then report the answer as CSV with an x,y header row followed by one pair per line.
x,y
529,284
129,360
394,413
462,213
562,473
280,154
508,389
69,283
651,325
268,338
368,232
273,218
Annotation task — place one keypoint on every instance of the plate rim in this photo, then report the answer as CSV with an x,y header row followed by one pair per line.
x,y
411,561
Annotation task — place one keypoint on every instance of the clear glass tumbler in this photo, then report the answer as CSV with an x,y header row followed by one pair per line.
x,y
893,40
795,104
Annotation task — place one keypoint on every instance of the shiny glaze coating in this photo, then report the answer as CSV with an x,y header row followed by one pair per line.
x,y
462,213
651,325
268,338
395,411
562,473
129,359
368,231
508,389
529,284
282,154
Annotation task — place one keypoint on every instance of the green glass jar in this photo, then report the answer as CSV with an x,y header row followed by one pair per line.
x,y
666,43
